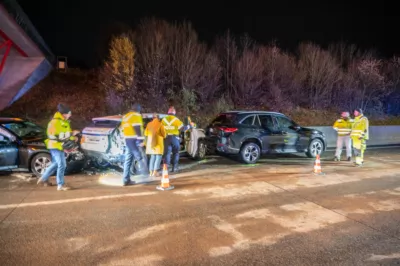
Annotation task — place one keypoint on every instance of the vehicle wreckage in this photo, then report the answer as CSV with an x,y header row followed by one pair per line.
x,y
104,145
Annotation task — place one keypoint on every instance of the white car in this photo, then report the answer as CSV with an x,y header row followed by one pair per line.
x,y
103,142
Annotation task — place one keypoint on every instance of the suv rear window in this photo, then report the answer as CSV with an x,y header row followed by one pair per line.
x,y
224,119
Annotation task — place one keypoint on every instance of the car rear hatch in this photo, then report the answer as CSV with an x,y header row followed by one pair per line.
x,y
97,137
223,125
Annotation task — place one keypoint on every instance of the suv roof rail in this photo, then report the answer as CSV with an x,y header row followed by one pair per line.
x,y
253,112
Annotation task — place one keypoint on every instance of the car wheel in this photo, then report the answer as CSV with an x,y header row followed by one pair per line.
x,y
39,163
101,164
315,148
201,150
250,153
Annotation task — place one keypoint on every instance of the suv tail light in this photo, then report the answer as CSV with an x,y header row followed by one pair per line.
x,y
228,129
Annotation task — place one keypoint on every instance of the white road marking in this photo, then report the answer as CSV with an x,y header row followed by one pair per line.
x,y
76,244
40,203
150,230
232,190
239,243
384,257
143,261
386,205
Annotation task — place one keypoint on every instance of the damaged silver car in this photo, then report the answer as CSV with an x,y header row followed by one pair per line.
x,y
103,142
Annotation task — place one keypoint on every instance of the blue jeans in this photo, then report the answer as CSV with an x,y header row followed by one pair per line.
x,y
132,151
171,145
58,163
155,160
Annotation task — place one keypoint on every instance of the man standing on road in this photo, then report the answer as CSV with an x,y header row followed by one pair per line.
x,y
359,135
58,133
343,127
172,126
132,126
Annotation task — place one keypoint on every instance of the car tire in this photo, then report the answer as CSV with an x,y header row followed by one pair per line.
x,y
103,164
250,153
315,147
39,163
201,150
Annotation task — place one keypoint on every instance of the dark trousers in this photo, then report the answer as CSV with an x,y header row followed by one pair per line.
x,y
171,145
133,152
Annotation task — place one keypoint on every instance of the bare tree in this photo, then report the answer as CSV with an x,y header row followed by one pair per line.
x,y
372,87
319,73
153,60
188,54
248,78
210,81
280,79
392,73
227,51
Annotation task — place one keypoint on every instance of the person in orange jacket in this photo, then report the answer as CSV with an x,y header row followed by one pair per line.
x,y
155,134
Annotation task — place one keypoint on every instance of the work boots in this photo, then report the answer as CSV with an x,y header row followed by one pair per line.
x,y
175,169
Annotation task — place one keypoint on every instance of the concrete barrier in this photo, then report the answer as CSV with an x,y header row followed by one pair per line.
x,y
378,135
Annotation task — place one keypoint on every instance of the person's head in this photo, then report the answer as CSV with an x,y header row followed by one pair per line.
x,y
345,114
136,108
358,112
171,111
171,103
156,117
64,111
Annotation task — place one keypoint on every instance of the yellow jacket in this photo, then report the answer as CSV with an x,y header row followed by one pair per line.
x,y
360,128
343,126
155,134
172,125
132,125
58,129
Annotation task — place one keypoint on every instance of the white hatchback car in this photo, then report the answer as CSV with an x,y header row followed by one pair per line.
x,y
103,142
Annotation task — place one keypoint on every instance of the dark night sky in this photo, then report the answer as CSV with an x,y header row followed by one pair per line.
x,y
74,28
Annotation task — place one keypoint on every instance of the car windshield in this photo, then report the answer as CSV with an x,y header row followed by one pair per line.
x,y
224,119
24,129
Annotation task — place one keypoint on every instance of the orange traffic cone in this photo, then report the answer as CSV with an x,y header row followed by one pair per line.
x,y
165,180
317,166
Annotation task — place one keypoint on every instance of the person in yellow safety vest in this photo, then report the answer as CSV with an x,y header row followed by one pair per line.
x,y
343,127
132,128
172,126
359,135
58,132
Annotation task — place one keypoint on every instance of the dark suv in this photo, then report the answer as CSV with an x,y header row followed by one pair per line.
x,y
252,133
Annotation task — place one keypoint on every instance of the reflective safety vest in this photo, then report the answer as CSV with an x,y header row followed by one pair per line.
x,y
343,126
172,125
58,129
360,128
132,126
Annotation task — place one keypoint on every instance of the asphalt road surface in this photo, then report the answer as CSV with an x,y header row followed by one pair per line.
x,y
220,213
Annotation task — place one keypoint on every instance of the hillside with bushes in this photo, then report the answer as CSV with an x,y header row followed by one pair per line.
x,y
157,62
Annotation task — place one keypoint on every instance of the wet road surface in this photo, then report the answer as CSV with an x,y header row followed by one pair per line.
x,y
220,213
